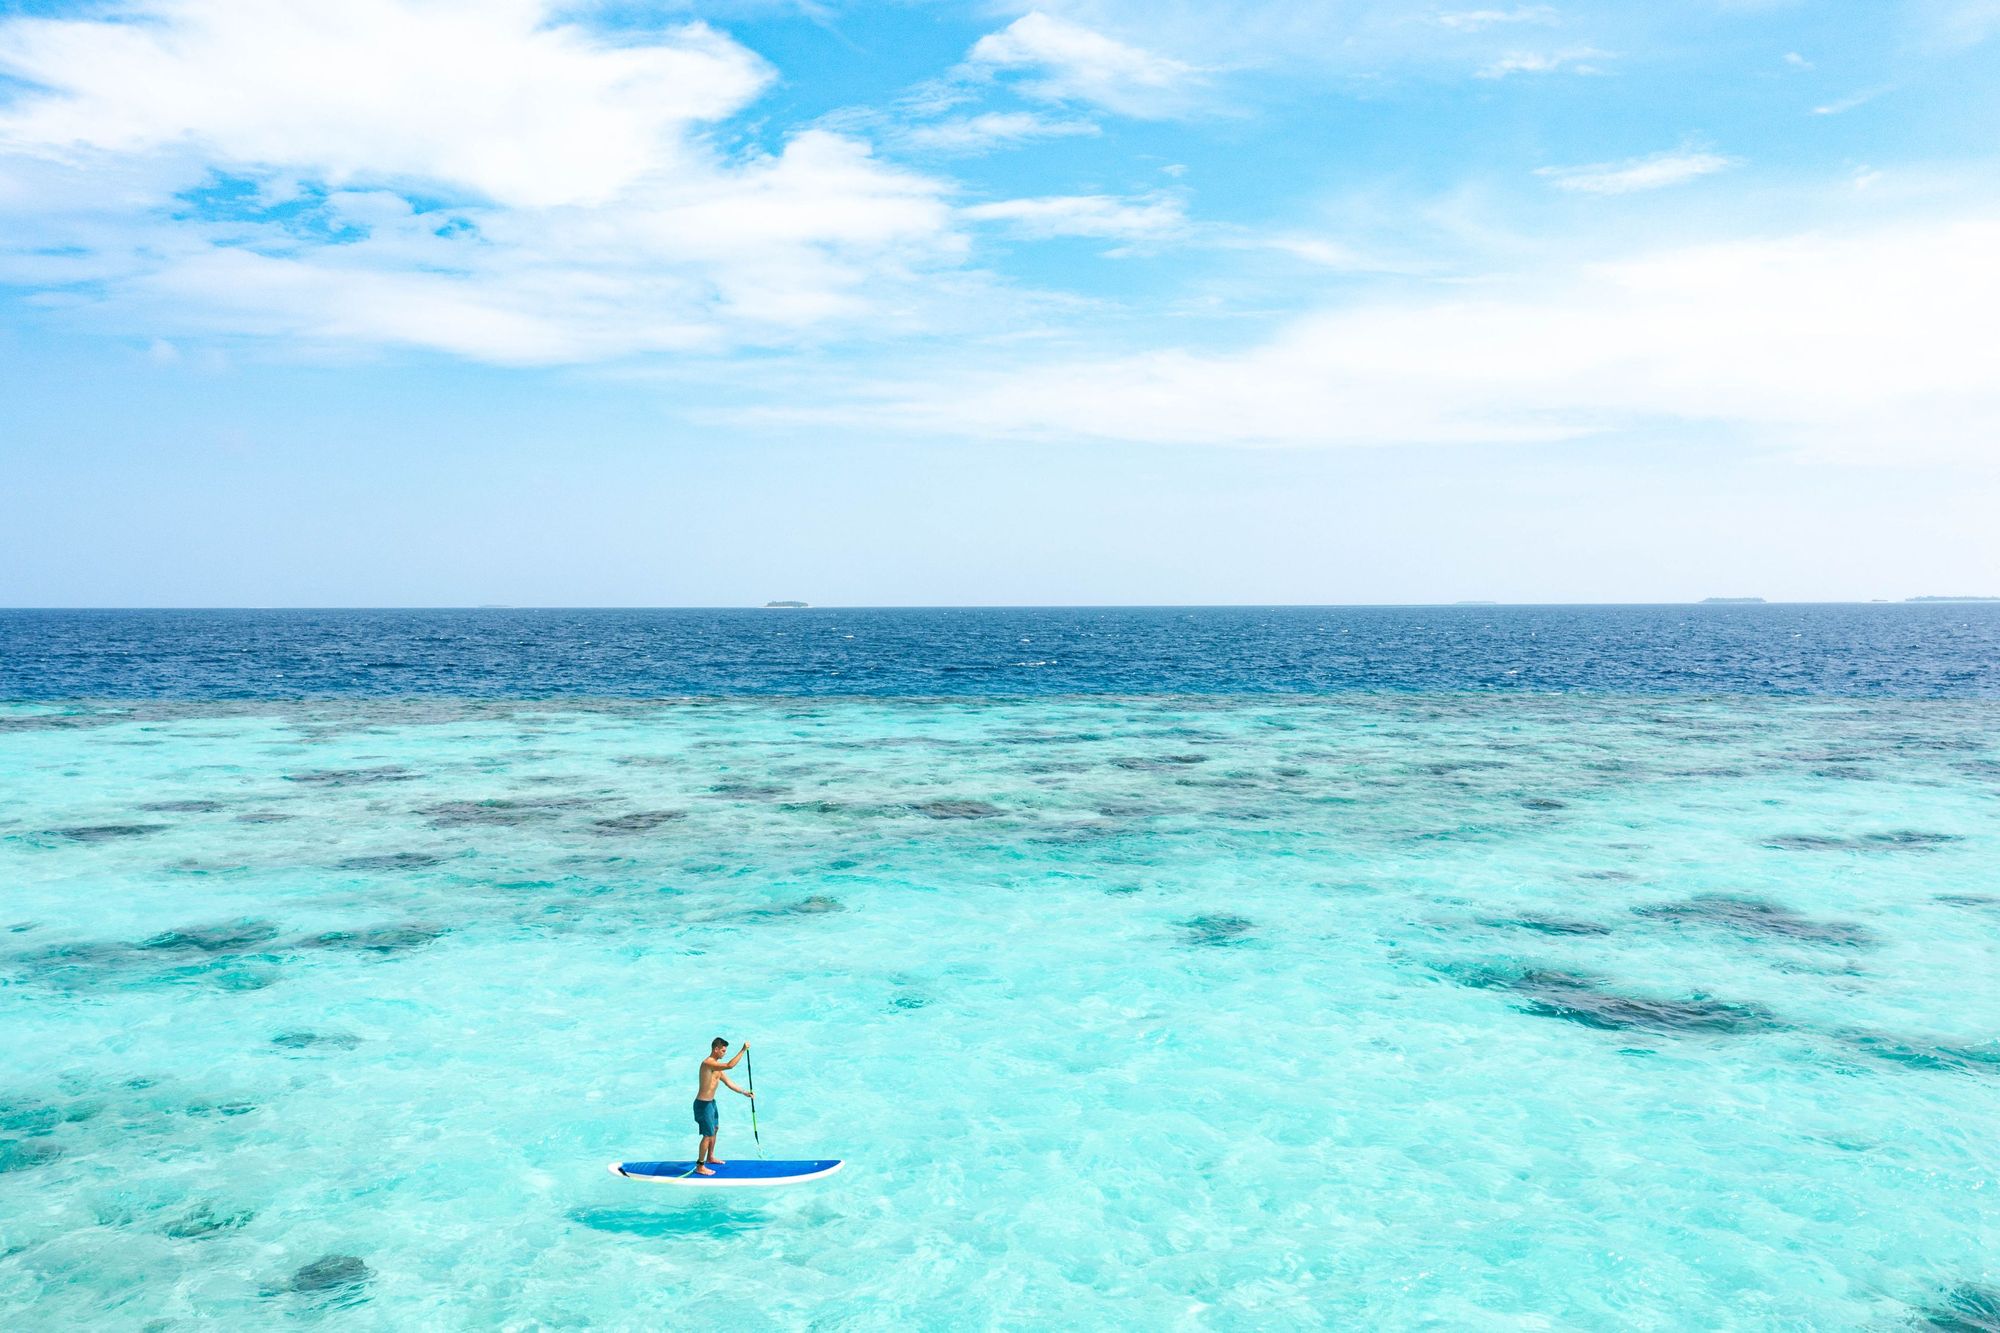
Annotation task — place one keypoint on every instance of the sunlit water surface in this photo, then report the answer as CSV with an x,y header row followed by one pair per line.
x,y
1422,1010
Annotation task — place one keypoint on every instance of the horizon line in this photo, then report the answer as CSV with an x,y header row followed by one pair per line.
x,y
1467,605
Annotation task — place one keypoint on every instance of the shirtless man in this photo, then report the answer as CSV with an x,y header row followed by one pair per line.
x,y
712,1073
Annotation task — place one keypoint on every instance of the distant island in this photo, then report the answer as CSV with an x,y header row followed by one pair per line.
x,y
1731,601
1952,599
785,606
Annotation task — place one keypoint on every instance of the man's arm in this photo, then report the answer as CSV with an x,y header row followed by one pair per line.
x,y
740,1052
732,1087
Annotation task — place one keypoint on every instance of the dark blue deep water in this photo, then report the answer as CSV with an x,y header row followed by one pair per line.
x,y
1934,650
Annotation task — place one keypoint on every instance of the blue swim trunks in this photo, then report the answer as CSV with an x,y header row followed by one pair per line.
x,y
705,1116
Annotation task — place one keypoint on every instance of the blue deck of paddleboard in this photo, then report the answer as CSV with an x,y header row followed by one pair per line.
x,y
756,1169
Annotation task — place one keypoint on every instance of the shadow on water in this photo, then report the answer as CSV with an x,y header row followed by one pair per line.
x,y
704,1217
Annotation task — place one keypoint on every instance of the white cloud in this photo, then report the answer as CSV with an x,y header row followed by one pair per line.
x,y
1873,345
1842,105
1325,253
472,176
1095,215
994,129
1955,24
1577,59
1067,62
1641,173
1474,20
480,95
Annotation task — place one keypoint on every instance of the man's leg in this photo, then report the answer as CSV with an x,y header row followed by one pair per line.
x,y
702,1155
713,1160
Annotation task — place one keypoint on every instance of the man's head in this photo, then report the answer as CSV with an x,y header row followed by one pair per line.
x,y
718,1046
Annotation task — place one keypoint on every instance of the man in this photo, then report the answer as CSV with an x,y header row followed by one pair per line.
x,y
713,1072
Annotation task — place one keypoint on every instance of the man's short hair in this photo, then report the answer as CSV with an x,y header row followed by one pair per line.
x,y
719,1041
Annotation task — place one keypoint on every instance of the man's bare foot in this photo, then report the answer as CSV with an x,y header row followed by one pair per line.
x,y
717,1161
703,1171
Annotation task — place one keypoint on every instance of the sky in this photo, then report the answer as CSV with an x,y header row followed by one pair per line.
x,y
461,302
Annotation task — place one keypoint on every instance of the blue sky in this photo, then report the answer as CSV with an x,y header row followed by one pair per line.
x,y
417,302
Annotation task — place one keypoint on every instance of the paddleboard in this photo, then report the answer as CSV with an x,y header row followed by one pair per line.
x,y
740,1173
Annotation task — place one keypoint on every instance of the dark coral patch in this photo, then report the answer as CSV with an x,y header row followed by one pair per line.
x,y
330,1273
26,1154
1544,803
1583,1000
496,813
391,861
1753,916
353,777
1217,930
750,791
1940,1057
229,937
956,809
1164,763
639,821
183,807
302,1039
56,722
1966,1309
1914,840
203,1220
1910,838
107,832
28,1117
378,939
1546,925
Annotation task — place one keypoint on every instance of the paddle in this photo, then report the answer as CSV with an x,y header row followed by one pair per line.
x,y
750,1077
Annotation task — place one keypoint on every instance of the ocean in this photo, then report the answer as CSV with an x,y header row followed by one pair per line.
x,y
1465,967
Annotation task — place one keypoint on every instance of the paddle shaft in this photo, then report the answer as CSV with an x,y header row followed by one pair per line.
x,y
750,1077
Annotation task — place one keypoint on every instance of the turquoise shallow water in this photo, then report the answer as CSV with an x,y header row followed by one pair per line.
x,y
1427,1010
